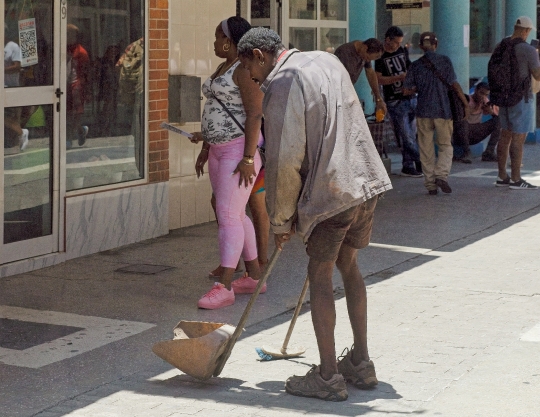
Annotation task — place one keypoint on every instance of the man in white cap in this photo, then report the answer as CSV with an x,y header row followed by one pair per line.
x,y
511,91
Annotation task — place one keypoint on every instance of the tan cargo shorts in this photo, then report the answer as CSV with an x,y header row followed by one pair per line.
x,y
351,227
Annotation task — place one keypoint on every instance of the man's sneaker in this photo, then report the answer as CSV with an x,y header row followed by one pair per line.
x,y
489,156
82,136
361,376
313,385
246,285
433,192
502,183
443,185
465,158
411,172
522,185
217,297
23,140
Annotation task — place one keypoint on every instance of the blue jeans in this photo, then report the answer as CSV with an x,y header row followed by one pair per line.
x,y
402,114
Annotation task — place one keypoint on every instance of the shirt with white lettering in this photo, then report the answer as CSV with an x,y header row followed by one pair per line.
x,y
390,64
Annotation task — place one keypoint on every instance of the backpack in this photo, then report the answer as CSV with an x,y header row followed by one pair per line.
x,y
507,88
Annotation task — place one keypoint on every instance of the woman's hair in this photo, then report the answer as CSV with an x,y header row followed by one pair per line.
x,y
238,26
259,38
374,46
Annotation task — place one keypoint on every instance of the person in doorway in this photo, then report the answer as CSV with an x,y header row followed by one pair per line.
x,y
357,56
78,67
472,131
517,120
391,70
14,135
231,131
322,184
433,113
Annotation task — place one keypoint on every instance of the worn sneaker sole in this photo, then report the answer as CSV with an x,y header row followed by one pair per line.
x,y
364,384
322,395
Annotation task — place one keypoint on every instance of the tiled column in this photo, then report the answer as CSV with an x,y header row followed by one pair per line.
x,y
158,139
362,21
516,8
450,23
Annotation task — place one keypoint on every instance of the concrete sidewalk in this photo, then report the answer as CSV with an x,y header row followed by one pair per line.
x,y
454,323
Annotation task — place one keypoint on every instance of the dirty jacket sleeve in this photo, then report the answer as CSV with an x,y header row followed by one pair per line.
x,y
283,179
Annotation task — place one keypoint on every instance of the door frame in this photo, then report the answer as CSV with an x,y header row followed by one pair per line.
x,y
42,95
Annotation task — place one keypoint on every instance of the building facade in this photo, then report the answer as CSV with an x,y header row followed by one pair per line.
x,y
87,83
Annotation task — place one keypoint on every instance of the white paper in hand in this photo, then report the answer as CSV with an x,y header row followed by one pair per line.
x,y
175,129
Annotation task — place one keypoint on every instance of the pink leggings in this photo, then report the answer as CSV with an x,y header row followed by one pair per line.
x,y
236,233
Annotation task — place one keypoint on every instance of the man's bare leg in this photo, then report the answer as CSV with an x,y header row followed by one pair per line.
x,y
323,313
502,152
356,296
516,155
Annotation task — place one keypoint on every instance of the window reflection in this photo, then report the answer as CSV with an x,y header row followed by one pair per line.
x,y
303,39
331,38
27,172
302,9
104,92
333,10
481,28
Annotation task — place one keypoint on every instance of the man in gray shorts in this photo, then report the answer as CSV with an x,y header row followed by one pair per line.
x,y
323,178
517,120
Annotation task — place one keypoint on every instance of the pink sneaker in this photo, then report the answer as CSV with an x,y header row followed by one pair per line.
x,y
246,285
217,297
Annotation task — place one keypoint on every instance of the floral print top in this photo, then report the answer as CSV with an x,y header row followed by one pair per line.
x,y
217,125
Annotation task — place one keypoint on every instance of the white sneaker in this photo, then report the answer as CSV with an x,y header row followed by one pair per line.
x,y
23,140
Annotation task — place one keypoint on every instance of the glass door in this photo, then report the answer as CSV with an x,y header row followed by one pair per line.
x,y
310,25
266,13
30,193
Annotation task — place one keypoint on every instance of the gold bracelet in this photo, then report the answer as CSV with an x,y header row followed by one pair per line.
x,y
245,163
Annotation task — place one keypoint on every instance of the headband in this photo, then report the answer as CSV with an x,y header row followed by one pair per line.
x,y
225,28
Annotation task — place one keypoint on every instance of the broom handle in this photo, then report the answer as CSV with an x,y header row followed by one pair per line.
x,y
295,315
240,328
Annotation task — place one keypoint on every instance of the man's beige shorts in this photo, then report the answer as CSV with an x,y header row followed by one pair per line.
x,y
351,227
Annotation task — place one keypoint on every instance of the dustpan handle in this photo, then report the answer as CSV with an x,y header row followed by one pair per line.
x,y
240,328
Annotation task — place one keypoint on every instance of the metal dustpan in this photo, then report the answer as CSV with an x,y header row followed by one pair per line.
x,y
200,348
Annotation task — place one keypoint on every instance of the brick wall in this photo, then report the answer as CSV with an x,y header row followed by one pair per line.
x,y
158,145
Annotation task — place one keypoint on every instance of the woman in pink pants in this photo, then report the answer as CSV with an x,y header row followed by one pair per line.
x,y
231,124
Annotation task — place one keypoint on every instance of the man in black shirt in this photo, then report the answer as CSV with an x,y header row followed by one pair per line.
x,y
391,70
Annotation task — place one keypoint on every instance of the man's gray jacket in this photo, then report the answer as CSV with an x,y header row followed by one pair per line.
x,y
320,156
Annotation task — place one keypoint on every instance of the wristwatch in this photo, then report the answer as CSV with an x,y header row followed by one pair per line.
x,y
248,159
